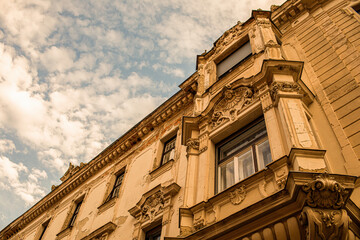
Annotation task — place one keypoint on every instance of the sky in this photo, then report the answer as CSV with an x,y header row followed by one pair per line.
x,y
77,74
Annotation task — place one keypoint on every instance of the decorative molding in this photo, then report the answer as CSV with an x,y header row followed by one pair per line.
x,y
231,104
276,87
192,143
102,232
199,224
106,205
161,169
325,192
153,206
281,182
65,232
228,37
203,149
325,223
70,172
153,202
238,195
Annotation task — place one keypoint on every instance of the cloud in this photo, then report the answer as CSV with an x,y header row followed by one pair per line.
x,y
29,190
6,146
58,59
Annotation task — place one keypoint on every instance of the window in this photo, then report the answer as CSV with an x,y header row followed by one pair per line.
x,y
115,191
76,212
233,59
44,227
153,234
169,151
242,155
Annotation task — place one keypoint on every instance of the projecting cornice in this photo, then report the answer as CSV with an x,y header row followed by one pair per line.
x,y
290,10
76,175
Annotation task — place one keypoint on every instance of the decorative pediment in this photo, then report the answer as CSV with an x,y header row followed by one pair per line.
x,y
153,203
228,37
229,106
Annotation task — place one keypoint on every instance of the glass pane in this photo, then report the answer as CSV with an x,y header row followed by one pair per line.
x,y
263,154
227,178
246,165
166,158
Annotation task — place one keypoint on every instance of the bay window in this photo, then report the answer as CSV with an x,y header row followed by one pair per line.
x,y
242,154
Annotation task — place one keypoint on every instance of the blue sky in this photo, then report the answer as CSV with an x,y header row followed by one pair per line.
x,y
75,75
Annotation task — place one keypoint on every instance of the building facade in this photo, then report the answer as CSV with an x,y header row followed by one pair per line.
x,y
261,142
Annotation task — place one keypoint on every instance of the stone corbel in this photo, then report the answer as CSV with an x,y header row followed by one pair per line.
x,y
324,217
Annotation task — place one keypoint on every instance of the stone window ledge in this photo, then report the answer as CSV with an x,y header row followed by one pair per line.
x,y
162,169
63,233
101,232
106,205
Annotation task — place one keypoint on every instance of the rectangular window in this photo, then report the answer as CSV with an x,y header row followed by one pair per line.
x,y
44,227
169,151
115,191
242,155
233,59
153,234
75,214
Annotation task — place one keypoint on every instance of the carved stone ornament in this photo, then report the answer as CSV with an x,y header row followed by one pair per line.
x,y
228,37
325,192
153,206
231,104
71,171
324,224
192,143
283,87
238,195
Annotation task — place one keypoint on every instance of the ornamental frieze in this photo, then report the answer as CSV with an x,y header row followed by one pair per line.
x,y
231,104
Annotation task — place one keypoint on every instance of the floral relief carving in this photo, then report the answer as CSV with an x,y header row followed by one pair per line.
x,y
238,195
230,106
324,223
153,206
325,192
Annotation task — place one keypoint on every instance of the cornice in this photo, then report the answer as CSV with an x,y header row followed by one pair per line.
x,y
77,175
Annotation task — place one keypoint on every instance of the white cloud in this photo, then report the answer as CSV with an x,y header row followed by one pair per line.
x,y
58,59
6,146
29,190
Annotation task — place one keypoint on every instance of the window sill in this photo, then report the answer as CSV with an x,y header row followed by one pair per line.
x,y
106,205
162,169
63,233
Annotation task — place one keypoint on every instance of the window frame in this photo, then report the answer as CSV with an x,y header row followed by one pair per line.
x,y
44,227
75,213
164,151
245,44
116,186
153,232
252,146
